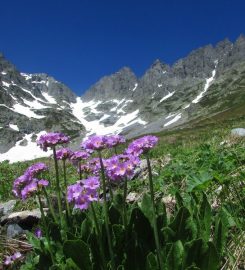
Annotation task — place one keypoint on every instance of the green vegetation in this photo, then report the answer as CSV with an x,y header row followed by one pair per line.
x,y
199,177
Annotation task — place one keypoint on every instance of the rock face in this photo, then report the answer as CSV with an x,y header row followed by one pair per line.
x,y
206,82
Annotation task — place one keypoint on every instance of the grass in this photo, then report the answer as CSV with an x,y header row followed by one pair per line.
x,y
195,158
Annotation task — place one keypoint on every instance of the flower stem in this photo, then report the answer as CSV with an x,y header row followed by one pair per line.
x,y
97,230
106,212
57,183
45,228
68,211
50,205
79,169
124,202
156,236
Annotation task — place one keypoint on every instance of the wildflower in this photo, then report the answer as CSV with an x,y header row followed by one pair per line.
x,y
52,139
91,183
80,155
38,232
95,143
83,192
114,140
121,167
141,145
11,259
63,153
35,169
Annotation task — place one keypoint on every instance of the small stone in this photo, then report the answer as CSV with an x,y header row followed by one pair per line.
x,y
7,207
133,197
14,230
240,132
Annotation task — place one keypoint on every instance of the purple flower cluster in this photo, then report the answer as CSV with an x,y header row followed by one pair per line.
x,y
141,145
83,192
27,184
11,259
101,142
80,155
52,139
114,140
64,153
121,167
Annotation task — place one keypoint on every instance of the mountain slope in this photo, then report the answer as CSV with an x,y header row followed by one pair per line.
x,y
207,81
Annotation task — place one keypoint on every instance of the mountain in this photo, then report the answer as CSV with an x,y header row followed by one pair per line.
x,y
207,82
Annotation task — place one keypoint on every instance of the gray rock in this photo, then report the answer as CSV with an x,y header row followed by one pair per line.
x,y
14,230
7,207
25,219
240,132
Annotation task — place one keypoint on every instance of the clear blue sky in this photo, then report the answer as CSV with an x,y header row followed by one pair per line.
x,y
79,41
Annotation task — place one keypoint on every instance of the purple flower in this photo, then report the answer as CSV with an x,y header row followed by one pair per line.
x,y
29,190
91,183
42,183
63,153
35,169
7,260
38,233
83,192
73,191
52,139
16,256
94,165
141,145
80,155
121,167
114,140
10,259
95,143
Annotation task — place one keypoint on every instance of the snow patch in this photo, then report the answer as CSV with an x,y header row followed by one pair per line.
x,y
135,86
175,119
14,127
28,152
5,84
49,98
207,84
187,106
167,96
26,76
4,73
159,85
95,127
25,111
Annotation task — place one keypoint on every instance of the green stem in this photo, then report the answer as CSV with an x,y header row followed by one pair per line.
x,y
45,228
156,236
125,186
97,230
50,205
79,169
68,211
106,212
57,183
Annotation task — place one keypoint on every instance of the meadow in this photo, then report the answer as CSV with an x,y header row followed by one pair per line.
x,y
191,218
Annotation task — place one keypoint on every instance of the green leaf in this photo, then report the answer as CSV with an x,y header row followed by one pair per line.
x,y
151,262
180,225
220,236
210,259
86,229
175,256
78,251
199,182
146,207
205,218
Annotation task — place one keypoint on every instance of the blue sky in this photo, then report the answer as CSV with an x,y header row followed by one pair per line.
x,y
79,41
